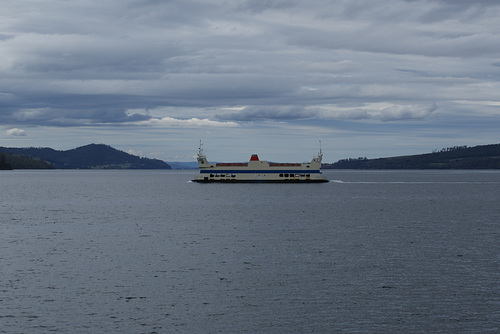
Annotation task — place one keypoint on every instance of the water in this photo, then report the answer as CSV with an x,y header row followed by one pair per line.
x,y
150,252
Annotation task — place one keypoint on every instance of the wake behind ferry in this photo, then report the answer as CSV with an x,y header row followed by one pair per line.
x,y
259,171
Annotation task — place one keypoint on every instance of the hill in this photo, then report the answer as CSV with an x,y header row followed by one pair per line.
x,y
458,157
9,161
93,156
183,165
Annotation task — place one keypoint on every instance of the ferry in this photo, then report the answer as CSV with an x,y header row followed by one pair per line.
x,y
259,171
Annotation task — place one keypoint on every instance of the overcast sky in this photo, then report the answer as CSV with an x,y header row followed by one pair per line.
x,y
153,77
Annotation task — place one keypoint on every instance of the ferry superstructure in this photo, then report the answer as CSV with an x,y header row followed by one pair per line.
x,y
259,171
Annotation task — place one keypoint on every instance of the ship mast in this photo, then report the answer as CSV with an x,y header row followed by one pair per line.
x,y
319,157
200,150
202,159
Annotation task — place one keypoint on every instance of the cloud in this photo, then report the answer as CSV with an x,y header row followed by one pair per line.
x,y
73,117
134,152
147,54
186,123
259,6
261,113
385,112
15,132
405,112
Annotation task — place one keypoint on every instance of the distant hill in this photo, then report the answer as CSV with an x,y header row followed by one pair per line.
x,y
458,157
183,165
93,156
9,161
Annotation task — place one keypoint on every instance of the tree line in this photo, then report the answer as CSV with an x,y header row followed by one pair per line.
x,y
10,161
456,157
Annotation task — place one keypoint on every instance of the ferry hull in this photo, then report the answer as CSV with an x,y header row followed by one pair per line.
x,y
260,181
262,176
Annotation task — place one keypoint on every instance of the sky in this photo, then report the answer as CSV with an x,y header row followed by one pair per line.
x,y
154,77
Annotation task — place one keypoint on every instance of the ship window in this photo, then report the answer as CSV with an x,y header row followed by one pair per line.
x,y
308,175
286,175
281,175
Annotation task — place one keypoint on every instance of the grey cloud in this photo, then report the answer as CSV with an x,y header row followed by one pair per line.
x,y
405,112
70,111
89,61
259,6
373,112
64,117
16,132
352,115
384,38
260,113
86,57
425,11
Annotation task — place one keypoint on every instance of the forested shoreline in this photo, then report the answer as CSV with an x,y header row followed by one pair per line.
x,y
457,157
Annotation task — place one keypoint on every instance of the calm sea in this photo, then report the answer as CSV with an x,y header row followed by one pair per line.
x,y
151,252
